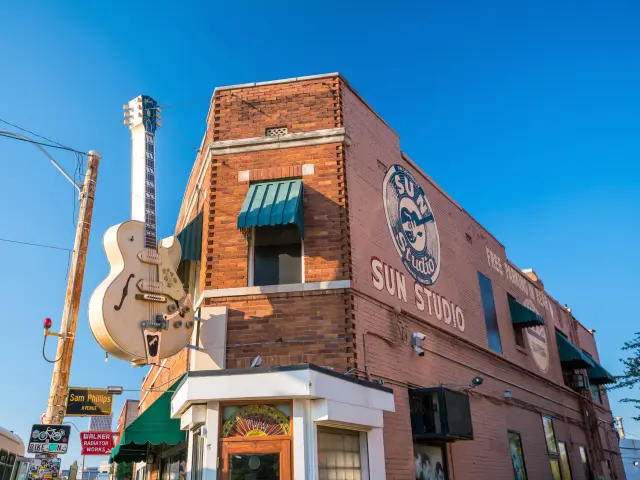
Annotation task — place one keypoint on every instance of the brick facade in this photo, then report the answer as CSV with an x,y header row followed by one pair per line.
x,y
365,327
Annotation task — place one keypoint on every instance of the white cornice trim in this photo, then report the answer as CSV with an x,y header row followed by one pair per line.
x,y
290,140
288,288
275,82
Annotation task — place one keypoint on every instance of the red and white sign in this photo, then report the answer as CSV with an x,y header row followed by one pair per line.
x,y
96,443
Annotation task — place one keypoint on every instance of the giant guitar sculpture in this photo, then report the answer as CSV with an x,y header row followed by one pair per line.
x,y
141,312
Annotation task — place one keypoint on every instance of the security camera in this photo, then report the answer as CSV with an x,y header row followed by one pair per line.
x,y
418,335
419,350
477,381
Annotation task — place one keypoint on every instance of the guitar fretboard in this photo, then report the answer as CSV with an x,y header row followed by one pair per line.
x,y
150,235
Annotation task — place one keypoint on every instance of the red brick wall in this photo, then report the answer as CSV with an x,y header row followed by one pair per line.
x,y
162,378
454,356
226,261
332,328
300,106
287,329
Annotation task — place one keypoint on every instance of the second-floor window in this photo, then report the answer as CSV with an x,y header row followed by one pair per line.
x,y
276,256
490,316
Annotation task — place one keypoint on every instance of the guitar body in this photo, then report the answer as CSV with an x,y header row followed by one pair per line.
x,y
142,285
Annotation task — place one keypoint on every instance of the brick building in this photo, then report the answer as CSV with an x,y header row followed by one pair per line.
x,y
392,336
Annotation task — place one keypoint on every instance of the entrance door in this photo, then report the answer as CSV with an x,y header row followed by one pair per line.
x,y
259,459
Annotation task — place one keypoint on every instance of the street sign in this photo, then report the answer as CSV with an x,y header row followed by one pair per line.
x,y
49,438
96,443
93,402
44,469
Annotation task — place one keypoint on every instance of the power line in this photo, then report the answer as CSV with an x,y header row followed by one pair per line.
x,y
32,133
35,244
42,144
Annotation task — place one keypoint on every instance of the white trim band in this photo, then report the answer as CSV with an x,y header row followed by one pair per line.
x,y
288,288
290,140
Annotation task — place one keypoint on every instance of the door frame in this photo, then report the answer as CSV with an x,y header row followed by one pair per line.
x,y
258,445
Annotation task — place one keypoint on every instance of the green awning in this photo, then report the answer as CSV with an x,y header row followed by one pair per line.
x,y
273,203
190,238
153,427
570,355
523,316
598,375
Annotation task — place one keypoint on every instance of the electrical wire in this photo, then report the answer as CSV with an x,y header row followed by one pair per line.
x,y
43,144
32,133
35,244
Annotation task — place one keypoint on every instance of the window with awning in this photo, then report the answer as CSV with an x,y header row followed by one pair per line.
x,y
598,375
269,204
190,238
522,316
570,355
154,427
273,211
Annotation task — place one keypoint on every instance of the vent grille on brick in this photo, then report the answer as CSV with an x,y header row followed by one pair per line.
x,y
274,132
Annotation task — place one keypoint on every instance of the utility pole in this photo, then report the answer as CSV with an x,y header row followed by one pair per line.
x,y
62,367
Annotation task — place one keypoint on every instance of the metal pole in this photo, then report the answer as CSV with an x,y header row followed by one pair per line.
x,y
60,380
82,477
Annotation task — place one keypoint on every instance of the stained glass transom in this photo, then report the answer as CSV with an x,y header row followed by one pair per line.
x,y
256,421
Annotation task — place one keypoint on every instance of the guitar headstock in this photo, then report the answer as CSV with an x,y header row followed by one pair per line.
x,y
142,110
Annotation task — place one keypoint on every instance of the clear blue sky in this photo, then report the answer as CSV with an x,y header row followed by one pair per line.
x,y
527,114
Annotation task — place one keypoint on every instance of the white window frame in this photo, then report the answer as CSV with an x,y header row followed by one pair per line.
x,y
251,259
364,447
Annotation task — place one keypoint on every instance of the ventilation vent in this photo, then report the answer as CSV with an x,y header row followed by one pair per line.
x,y
276,131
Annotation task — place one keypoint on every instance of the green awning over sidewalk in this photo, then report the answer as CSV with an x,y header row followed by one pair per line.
x,y
523,316
153,427
190,238
570,355
273,203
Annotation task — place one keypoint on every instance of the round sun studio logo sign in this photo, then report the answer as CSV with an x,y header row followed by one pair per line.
x,y
411,224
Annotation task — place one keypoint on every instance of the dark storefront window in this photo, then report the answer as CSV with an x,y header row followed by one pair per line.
x,y
277,256
198,456
584,460
558,456
429,462
490,317
564,461
517,456
174,467
550,435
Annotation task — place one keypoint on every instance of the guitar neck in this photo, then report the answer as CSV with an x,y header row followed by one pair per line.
x,y
142,118
150,226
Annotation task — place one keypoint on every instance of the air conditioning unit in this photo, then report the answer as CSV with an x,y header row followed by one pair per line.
x,y
440,414
579,381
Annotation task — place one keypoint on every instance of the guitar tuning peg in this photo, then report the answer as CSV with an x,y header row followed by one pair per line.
x,y
126,107
159,124
158,109
127,114
127,122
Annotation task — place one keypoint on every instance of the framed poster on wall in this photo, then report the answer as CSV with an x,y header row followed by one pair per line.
x,y
430,462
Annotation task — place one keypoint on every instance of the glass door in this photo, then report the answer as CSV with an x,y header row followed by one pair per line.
x,y
259,459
